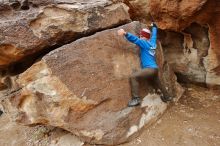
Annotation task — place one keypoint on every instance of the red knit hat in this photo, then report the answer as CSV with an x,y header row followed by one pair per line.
x,y
145,33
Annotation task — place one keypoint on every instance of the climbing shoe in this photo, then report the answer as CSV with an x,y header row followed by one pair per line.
x,y
135,101
166,98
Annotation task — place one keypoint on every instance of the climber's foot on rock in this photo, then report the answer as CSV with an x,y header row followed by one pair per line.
x,y
135,101
166,98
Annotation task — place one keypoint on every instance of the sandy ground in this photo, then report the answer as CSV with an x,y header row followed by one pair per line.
x,y
12,134
193,121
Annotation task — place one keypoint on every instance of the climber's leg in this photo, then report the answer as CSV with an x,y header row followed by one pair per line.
x,y
144,73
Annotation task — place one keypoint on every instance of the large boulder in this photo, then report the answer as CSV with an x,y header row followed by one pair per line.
x,y
83,87
49,24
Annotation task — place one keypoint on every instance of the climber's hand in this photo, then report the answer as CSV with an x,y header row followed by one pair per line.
x,y
121,32
153,24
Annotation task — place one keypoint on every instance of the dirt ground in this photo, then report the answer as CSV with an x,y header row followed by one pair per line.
x,y
13,134
193,121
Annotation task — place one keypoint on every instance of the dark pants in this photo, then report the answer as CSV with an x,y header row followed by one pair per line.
x,y
144,73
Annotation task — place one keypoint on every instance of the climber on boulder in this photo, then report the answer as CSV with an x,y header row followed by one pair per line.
x,y
147,42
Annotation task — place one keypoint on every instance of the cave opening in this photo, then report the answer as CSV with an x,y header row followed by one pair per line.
x,y
185,52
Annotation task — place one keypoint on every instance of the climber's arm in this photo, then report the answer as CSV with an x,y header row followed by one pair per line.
x,y
131,38
153,38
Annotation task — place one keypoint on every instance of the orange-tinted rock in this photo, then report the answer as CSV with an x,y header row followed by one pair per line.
x,y
203,63
169,14
53,23
213,59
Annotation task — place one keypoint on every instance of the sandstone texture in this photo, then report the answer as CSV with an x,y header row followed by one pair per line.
x,y
166,77
212,61
83,87
186,52
169,14
48,24
190,32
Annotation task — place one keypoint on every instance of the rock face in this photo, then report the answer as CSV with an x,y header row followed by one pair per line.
x,y
52,23
169,86
191,29
212,61
186,52
169,14
83,87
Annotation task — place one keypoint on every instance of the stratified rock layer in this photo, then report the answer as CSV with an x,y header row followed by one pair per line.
x,y
53,23
83,87
169,14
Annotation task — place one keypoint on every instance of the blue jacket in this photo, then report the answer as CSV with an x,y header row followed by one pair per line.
x,y
147,48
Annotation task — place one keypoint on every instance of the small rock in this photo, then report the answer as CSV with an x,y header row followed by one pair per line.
x,y
53,141
159,121
138,140
190,129
215,97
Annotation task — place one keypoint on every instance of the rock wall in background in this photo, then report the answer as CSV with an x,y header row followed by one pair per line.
x,y
189,36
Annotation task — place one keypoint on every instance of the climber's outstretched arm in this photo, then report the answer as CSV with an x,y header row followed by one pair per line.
x,y
131,38
153,38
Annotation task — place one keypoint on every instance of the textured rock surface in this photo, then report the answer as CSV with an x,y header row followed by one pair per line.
x,y
212,61
166,76
186,52
169,14
196,24
53,23
84,88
